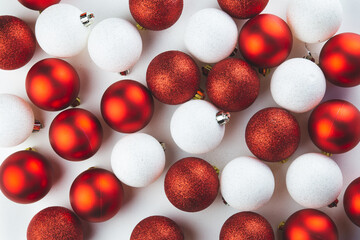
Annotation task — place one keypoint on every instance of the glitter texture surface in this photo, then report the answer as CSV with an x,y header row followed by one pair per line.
x,y
243,8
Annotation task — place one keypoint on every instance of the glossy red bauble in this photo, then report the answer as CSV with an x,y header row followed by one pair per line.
x,y
352,201
232,85
96,195
52,84
38,5
265,41
127,106
173,77
75,134
334,126
340,60
17,43
243,8
25,176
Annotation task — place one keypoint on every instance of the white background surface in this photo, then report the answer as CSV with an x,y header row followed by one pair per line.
x,y
144,202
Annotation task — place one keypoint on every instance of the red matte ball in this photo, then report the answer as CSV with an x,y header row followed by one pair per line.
x,y
17,43
173,77
96,195
243,8
127,106
156,14
340,60
38,5
75,134
334,126
25,176
232,85
52,84
265,41
352,201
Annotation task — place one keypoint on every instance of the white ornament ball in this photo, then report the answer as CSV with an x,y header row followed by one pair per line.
x,y
314,180
16,120
298,85
137,159
60,32
313,21
115,45
211,35
246,183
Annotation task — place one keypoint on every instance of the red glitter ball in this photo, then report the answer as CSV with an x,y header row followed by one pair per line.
x,y
272,134
156,14
173,77
232,85
352,201
157,228
38,5
245,226
243,8
191,184
17,43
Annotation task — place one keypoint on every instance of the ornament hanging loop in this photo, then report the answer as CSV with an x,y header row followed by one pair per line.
x,y
222,118
87,19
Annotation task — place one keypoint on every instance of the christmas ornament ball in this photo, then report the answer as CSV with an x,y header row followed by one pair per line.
x,y
191,184
38,5
243,8
55,223
17,43
351,201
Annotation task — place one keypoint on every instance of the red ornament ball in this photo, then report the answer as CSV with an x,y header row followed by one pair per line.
x,y
52,84
173,77
55,223
246,225
38,5
309,224
352,201
156,14
25,176
272,134
334,126
17,43
232,85
127,106
243,8
157,228
96,195
340,60
265,41
191,184
75,134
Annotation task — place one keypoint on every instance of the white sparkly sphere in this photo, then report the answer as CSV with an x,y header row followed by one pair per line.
x,y
59,31
16,120
138,159
246,183
211,35
313,21
298,85
115,45
314,180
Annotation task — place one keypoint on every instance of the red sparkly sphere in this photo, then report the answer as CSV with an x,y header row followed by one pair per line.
x,y
272,134
334,126
52,84
17,43
156,14
127,106
309,224
38,5
352,201
75,134
191,184
96,195
246,225
232,85
173,77
265,41
243,8
55,223
25,176
157,228
340,60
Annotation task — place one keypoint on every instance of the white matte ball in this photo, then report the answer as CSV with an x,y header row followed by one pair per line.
x,y
138,159
298,85
314,21
59,31
115,45
16,120
246,183
314,180
211,35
